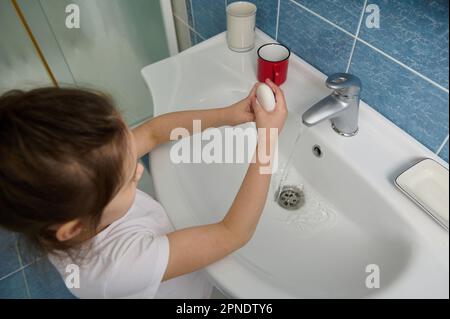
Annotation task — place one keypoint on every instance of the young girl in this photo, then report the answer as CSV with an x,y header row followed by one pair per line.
x,y
69,171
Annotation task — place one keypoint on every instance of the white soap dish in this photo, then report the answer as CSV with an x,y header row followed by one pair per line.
x,y
427,184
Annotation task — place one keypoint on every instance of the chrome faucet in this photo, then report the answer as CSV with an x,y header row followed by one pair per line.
x,y
341,107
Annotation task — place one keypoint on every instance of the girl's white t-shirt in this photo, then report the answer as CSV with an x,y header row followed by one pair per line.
x,y
129,258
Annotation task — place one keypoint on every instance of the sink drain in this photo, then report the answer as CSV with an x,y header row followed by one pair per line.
x,y
290,197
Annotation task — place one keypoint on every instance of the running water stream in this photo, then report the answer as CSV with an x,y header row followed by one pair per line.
x,y
285,169
314,213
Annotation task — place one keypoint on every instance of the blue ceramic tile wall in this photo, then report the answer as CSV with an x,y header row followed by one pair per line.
x,y
8,254
13,286
209,17
344,13
414,104
416,33
444,152
43,281
403,64
302,32
25,276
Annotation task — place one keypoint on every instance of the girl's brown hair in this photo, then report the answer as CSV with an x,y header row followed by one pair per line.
x,y
62,154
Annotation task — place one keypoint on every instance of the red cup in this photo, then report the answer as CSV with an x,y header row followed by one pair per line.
x,y
273,62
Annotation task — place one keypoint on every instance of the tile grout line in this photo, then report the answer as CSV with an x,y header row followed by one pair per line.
x,y
405,66
24,276
21,265
357,34
188,26
192,15
11,273
18,259
322,18
278,20
373,47
193,41
27,288
18,269
439,150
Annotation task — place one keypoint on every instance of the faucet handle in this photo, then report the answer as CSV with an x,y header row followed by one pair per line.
x,y
345,84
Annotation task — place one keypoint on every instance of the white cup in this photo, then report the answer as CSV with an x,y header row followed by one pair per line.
x,y
241,20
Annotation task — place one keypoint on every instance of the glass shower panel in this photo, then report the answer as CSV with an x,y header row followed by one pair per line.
x,y
116,39
20,66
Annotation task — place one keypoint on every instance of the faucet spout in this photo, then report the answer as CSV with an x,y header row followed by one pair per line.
x,y
326,109
341,107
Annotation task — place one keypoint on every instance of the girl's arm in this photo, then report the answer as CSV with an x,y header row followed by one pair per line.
x,y
194,248
157,130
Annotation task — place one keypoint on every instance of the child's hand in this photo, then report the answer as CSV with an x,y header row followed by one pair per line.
x,y
277,117
242,112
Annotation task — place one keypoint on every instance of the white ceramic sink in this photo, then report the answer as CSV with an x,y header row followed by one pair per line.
x,y
353,215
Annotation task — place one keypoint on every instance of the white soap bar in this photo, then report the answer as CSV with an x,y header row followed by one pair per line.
x,y
265,97
426,183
